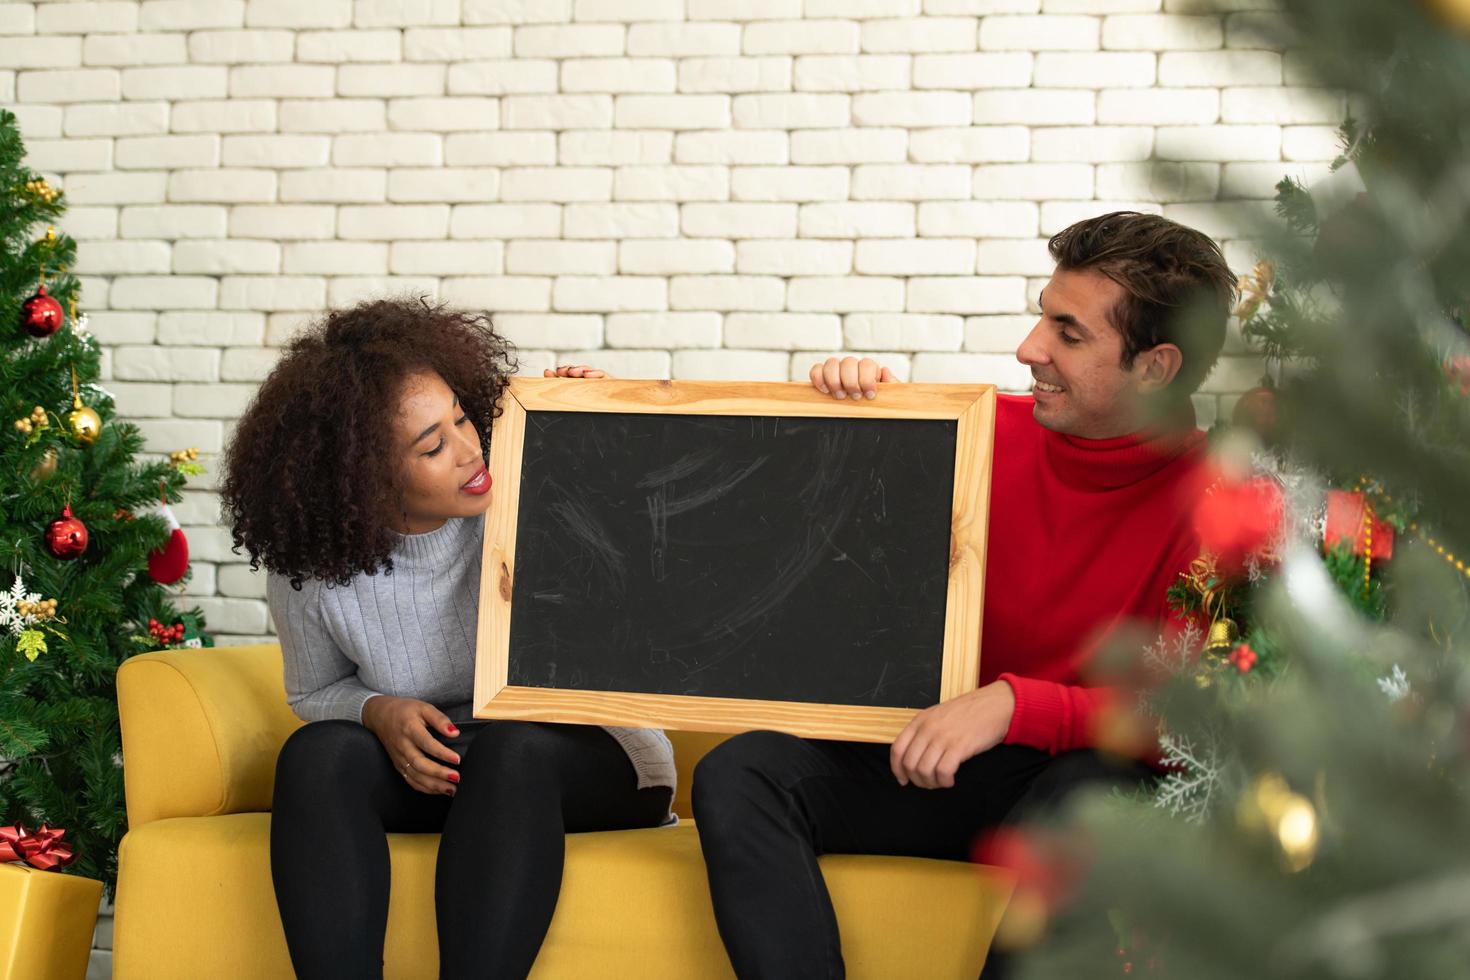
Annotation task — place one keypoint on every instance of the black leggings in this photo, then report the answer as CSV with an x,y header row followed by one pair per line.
x,y
523,786
768,804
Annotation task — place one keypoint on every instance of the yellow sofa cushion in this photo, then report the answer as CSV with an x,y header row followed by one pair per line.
x,y
201,730
195,901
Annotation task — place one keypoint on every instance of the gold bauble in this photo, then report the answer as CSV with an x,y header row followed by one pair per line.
x,y
1286,816
1456,13
83,423
46,468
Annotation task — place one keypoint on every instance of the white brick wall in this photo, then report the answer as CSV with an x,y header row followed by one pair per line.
x,y
686,188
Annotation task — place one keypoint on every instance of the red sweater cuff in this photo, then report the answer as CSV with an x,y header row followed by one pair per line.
x,y
1041,715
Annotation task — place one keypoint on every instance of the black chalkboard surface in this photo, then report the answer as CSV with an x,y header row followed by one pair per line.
x,y
725,557
775,558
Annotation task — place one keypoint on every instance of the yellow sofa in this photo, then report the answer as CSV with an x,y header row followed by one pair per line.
x,y
201,730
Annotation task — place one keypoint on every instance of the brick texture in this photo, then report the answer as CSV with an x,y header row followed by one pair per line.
x,y
670,188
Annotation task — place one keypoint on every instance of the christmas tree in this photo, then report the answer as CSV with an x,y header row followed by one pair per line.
x,y
1315,720
81,522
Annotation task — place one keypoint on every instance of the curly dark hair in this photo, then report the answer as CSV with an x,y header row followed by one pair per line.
x,y
1177,287
308,490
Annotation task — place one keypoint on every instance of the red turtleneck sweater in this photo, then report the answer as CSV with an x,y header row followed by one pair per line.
x,y
1084,534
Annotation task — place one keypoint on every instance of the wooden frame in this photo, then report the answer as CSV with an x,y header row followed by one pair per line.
x,y
971,406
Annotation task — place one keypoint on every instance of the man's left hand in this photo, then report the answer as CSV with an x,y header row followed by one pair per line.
x,y
939,739
574,371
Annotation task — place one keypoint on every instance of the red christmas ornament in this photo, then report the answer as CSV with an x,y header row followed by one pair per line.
x,y
1256,411
66,536
1040,862
169,563
1457,373
1345,524
1235,520
41,315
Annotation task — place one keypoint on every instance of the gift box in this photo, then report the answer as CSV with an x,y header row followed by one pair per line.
x,y
46,923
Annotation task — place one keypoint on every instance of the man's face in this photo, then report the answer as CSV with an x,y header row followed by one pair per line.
x,y
1076,359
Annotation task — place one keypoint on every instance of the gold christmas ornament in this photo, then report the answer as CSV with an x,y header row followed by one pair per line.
x,y
1289,818
181,456
36,420
1224,635
41,190
1456,13
42,610
46,468
84,424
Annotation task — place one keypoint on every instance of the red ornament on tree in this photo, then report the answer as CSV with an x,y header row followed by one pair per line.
x,y
169,563
66,536
1256,410
1238,520
40,315
1457,373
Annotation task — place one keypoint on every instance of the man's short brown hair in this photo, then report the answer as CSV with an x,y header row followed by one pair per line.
x,y
1177,288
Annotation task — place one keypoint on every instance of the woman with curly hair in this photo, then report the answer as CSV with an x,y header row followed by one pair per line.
x,y
357,478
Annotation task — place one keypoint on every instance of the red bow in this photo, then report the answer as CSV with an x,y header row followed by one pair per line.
x,y
44,849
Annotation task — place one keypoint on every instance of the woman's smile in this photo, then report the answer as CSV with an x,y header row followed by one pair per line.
x,y
477,484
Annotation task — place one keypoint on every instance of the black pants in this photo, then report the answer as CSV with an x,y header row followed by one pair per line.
x,y
767,804
522,787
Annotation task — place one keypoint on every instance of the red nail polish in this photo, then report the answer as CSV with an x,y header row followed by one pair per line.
x,y
453,730
450,791
453,777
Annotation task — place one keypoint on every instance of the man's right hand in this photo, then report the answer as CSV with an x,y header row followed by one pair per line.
x,y
849,377
403,726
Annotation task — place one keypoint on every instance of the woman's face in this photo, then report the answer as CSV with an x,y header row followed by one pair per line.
x,y
444,473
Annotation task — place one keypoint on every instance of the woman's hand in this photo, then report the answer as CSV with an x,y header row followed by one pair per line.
x,y
849,377
404,726
575,371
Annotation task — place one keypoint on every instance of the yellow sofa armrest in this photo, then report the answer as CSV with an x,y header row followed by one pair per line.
x,y
201,730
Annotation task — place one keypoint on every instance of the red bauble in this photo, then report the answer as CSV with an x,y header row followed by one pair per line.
x,y
1457,373
169,563
1237,520
66,536
41,314
1256,411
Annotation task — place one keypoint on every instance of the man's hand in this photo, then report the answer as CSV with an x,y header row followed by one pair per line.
x,y
940,738
403,726
849,377
574,371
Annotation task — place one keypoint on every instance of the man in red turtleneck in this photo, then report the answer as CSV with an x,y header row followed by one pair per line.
x,y
1093,477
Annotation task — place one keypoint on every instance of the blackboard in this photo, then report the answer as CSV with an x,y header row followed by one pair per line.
x,y
781,551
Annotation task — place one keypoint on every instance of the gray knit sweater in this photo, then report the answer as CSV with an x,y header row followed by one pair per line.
x,y
411,635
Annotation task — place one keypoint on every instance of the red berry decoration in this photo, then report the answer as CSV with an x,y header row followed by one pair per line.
x,y
1243,658
166,635
66,537
41,315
